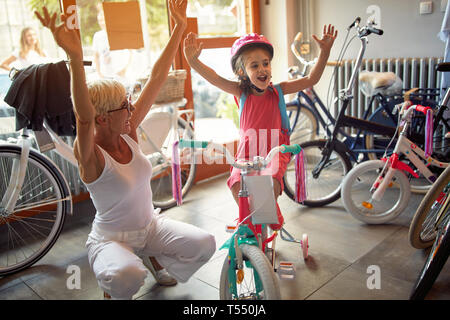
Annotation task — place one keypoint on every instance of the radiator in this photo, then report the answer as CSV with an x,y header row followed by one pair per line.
x,y
414,72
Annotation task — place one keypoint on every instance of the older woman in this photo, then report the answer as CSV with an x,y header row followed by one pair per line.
x,y
117,174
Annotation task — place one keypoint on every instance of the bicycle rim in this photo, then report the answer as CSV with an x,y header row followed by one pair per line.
x,y
434,263
326,187
259,281
356,192
161,182
31,229
422,231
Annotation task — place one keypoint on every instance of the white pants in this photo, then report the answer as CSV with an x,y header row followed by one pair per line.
x,y
179,247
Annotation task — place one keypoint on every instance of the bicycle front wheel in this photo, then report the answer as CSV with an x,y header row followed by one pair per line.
x,y
162,179
31,228
326,188
422,231
256,281
435,262
356,192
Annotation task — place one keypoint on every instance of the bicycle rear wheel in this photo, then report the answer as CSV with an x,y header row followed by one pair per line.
x,y
162,181
422,230
259,281
356,191
435,262
326,188
30,230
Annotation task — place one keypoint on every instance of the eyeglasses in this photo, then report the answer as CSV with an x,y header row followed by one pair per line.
x,y
126,105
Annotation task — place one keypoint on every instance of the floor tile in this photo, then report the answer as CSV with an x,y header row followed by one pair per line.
x,y
341,251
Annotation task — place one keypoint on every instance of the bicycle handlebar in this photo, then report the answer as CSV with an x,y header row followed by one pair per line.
x,y
294,149
362,32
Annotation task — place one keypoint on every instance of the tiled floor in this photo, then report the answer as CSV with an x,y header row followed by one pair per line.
x,y
342,251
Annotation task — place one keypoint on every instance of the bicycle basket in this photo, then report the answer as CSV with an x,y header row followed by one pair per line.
x,y
173,88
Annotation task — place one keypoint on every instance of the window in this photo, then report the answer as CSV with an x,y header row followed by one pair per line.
x,y
125,65
220,23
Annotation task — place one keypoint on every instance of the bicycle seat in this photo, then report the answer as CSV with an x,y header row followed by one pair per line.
x,y
385,83
443,67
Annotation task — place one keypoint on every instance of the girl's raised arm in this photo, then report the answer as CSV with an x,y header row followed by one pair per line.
x,y
192,50
325,44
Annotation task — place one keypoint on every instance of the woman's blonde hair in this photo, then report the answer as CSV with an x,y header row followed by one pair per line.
x,y
25,47
106,95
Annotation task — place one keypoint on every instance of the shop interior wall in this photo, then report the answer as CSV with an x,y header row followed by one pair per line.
x,y
407,32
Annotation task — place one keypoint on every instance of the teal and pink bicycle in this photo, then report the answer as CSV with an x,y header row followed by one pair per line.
x,y
249,271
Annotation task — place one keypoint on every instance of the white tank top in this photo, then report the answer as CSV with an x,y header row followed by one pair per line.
x,y
122,194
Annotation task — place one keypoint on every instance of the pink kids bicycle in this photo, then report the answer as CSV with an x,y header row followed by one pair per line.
x,y
249,269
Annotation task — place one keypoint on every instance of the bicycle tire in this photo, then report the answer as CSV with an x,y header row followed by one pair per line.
x,y
304,126
356,189
162,183
259,263
18,227
327,187
421,231
435,262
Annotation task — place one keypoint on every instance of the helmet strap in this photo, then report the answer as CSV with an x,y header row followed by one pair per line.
x,y
256,88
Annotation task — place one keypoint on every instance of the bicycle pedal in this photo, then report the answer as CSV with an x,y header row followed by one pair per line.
x,y
286,270
230,228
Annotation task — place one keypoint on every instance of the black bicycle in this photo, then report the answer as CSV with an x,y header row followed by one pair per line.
x,y
435,206
329,160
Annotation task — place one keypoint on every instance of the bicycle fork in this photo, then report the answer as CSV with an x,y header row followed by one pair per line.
x,y
18,171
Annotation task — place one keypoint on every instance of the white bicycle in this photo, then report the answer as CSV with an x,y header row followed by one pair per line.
x,y
35,196
377,191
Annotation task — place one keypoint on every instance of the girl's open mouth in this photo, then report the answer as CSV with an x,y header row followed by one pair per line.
x,y
262,78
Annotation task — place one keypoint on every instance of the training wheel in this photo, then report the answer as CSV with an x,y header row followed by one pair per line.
x,y
305,246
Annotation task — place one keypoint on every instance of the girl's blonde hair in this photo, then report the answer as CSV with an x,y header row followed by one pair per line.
x,y
25,47
106,95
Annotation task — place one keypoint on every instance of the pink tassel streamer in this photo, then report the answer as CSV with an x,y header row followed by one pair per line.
x,y
300,177
176,174
429,133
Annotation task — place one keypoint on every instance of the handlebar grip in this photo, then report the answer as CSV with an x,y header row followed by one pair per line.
x,y
422,109
294,149
192,144
376,31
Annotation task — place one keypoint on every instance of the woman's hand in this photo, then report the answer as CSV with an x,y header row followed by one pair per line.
x,y
177,10
67,38
329,35
192,48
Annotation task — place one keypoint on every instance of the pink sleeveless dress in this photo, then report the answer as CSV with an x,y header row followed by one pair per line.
x,y
260,131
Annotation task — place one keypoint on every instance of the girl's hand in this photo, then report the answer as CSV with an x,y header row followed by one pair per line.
x,y
192,48
66,38
177,9
329,35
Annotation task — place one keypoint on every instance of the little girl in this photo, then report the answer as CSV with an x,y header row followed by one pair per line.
x,y
261,122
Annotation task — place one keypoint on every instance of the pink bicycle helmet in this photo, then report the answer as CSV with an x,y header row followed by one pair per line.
x,y
251,39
